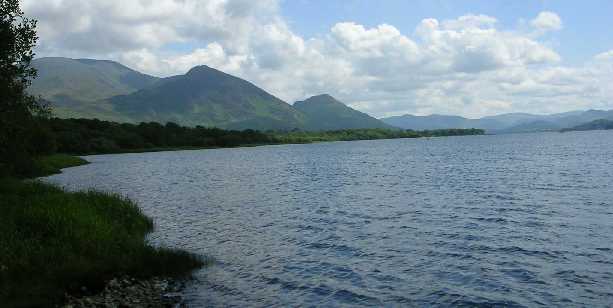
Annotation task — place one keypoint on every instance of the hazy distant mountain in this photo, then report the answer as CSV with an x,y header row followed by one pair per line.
x,y
534,126
577,118
208,97
324,112
504,123
559,121
437,121
510,119
593,125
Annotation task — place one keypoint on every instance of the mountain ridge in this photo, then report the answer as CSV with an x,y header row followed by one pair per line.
x,y
503,123
205,96
64,79
208,97
108,90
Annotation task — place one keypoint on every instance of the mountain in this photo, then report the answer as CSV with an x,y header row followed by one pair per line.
x,y
324,112
593,125
208,97
511,119
73,85
85,88
64,80
533,126
559,121
107,90
583,117
437,121
504,123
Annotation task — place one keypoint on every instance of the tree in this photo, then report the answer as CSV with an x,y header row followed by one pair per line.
x,y
17,109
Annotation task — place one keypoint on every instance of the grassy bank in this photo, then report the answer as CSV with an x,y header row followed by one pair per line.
x,y
53,164
54,241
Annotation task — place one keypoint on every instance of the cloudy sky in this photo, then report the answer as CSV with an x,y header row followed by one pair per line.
x,y
387,57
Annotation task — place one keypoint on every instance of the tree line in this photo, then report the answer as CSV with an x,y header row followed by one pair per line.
x,y
367,134
91,136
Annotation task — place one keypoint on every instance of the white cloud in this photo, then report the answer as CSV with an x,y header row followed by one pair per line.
x,y
470,22
547,21
605,56
467,66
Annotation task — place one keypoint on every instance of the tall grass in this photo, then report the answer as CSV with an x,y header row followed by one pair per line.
x,y
52,164
53,241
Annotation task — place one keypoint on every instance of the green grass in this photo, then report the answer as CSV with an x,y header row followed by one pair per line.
x,y
53,241
53,164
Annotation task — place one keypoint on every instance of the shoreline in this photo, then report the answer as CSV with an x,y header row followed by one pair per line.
x,y
130,292
196,148
76,248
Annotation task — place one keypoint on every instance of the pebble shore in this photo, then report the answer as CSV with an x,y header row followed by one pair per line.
x,y
128,292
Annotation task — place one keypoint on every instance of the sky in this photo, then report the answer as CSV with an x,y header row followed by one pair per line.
x,y
389,57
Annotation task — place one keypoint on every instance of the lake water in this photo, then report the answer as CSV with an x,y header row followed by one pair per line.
x,y
509,220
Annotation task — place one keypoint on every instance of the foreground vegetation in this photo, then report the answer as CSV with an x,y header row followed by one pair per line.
x,y
55,241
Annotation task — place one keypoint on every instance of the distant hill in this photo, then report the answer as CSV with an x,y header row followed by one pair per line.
x,y
208,97
534,126
437,121
324,112
559,121
510,119
593,125
504,123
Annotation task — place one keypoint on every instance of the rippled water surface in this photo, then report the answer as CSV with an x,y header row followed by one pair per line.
x,y
510,220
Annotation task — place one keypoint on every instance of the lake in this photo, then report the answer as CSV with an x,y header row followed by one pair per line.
x,y
507,220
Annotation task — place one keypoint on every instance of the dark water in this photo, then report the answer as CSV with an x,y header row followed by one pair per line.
x,y
513,220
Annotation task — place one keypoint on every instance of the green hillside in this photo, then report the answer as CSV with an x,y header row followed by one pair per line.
x,y
324,112
208,97
63,80
75,86
107,90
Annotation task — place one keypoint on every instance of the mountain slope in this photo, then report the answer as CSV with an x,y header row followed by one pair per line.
x,y
512,119
74,87
208,97
593,125
63,80
533,126
324,112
